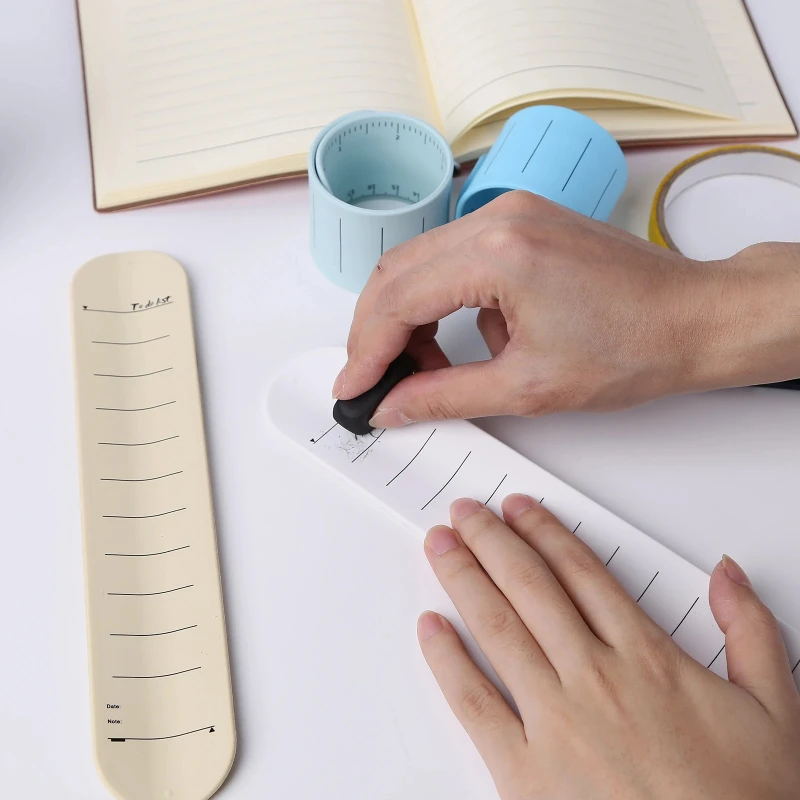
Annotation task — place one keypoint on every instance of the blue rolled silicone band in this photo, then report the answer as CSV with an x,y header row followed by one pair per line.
x,y
553,152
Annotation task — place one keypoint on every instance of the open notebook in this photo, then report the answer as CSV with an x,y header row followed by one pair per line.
x,y
192,96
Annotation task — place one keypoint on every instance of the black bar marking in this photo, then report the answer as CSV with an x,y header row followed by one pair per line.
x,y
576,164
597,205
684,616
423,224
412,460
612,555
795,666
537,146
138,444
150,677
142,375
575,529
715,657
146,408
448,481
373,442
314,441
144,516
127,344
147,555
209,728
647,587
489,499
162,633
149,594
143,480
129,311
381,240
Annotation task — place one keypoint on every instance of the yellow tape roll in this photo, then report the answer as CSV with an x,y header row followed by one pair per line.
x,y
768,162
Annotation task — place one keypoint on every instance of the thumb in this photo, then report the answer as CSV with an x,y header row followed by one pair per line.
x,y
480,389
757,660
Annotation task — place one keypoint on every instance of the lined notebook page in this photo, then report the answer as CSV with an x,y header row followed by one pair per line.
x,y
483,57
188,94
759,99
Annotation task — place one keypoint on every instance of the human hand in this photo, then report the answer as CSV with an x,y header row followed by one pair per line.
x,y
575,313
610,706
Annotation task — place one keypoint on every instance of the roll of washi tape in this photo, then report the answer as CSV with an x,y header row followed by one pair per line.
x,y
757,160
375,180
553,152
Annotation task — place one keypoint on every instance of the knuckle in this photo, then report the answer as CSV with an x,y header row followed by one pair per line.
x,y
477,703
500,622
389,300
527,575
599,674
437,406
759,615
659,660
520,202
543,393
461,567
500,237
390,259
580,564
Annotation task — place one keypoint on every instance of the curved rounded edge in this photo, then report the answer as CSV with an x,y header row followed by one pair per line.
x,y
538,150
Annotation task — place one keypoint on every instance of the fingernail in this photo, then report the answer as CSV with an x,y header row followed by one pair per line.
x,y
735,572
428,624
338,384
459,509
441,539
516,504
389,418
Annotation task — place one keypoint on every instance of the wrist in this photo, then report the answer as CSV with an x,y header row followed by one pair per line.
x,y
745,319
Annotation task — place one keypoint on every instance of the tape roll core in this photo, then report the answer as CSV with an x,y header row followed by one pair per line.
x,y
755,160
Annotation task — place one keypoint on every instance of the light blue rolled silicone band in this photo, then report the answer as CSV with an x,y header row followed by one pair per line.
x,y
363,157
553,152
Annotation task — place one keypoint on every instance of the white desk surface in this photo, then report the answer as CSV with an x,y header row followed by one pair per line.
x,y
322,592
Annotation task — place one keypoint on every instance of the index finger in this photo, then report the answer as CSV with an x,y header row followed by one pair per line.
x,y
404,258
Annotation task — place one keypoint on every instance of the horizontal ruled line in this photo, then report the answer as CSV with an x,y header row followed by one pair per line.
x,y
150,677
149,594
162,633
719,653
371,444
647,587
128,311
138,444
413,459
146,408
684,616
143,480
128,344
144,516
158,738
140,375
448,481
147,555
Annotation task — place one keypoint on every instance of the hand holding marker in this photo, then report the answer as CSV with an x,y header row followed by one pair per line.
x,y
553,152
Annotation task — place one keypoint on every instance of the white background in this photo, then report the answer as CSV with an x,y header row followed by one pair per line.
x,y
322,591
